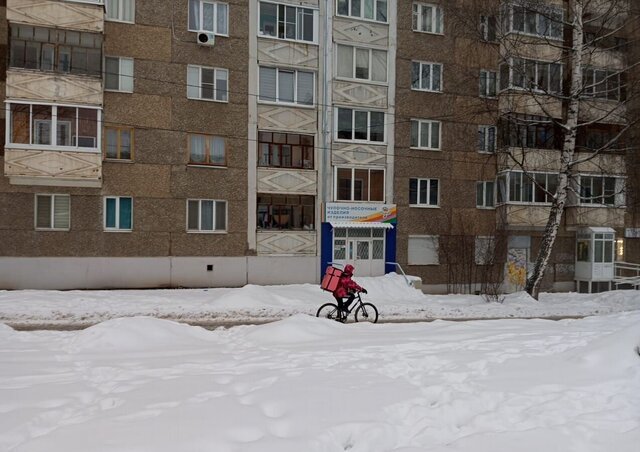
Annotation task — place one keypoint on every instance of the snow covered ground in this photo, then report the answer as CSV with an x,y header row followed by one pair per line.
x,y
139,383
394,299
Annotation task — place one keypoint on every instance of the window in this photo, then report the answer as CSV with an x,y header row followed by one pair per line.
x,y
206,215
603,84
207,150
209,16
536,188
118,143
206,83
427,18
362,64
426,76
602,190
359,184
288,22
56,50
118,213
423,250
425,134
487,139
545,22
286,86
53,212
488,83
530,131
608,137
531,74
121,10
295,212
54,126
285,150
360,125
485,250
485,195
118,74
363,9
488,25
424,192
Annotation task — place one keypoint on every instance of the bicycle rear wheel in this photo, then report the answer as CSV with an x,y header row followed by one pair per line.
x,y
366,312
329,311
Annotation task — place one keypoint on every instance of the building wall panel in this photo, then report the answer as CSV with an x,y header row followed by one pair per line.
x,y
294,242
346,30
360,94
287,119
278,52
53,165
287,181
359,154
48,13
48,87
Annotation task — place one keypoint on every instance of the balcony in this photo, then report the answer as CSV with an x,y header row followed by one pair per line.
x,y
83,16
583,216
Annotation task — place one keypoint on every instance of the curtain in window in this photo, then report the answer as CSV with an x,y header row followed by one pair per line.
x,y
198,149
126,74
379,66
193,208
110,217
217,151
125,213
345,61
129,10
111,136
268,84
305,88
286,81
125,144
221,85
362,64
194,14
207,16
61,212
221,22
193,82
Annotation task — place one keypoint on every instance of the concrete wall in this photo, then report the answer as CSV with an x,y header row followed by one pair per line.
x,y
63,273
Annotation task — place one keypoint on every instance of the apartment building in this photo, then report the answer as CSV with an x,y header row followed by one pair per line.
x,y
197,143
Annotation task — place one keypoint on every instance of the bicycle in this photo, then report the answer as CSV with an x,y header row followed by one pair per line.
x,y
364,312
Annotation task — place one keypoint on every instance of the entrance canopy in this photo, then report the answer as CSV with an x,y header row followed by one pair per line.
x,y
361,225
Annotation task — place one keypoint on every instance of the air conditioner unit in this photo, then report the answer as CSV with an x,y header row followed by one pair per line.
x,y
205,38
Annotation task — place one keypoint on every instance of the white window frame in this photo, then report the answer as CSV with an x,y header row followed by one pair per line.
x,y
104,220
361,16
591,85
484,145
429,123
508,17
420,182
353,64
353,184
436,13
481,250
413,248
487,75
431,65
528,85
316,22
485,27
52,214
527,178
484,185
619,195
122,78
198,86
201,15
295,88
353,128
121,8
54,128
213,223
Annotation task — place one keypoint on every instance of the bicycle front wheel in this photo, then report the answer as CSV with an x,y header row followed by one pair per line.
x,y
366,312
328,311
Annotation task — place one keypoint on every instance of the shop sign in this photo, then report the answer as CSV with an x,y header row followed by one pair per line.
x,y
363,213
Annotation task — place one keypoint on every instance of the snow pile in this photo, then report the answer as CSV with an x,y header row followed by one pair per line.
x,y
309,384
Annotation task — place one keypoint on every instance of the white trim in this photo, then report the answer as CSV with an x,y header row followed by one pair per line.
x,y
215,83
117,219
354,140
430,122
427,203
362,18
52,196
213,217
433,21
295,102
121,3
370,49
215,17
430,89
316,23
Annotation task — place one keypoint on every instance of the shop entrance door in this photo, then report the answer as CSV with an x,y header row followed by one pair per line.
x,y
360,256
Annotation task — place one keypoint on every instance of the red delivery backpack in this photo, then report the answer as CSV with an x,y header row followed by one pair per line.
x,y
331,279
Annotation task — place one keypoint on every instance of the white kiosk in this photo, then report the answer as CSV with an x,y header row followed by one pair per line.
x,y
594,259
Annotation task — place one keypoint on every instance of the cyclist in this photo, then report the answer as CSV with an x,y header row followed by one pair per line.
x,y
346,286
